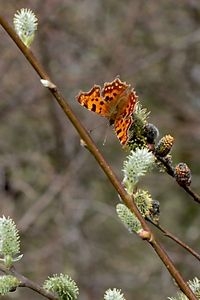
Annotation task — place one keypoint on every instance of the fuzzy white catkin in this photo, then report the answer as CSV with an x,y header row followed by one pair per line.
x,y
113,294
137,164
25,24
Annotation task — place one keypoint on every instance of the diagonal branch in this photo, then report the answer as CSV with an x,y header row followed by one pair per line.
x,y
175,239
99,158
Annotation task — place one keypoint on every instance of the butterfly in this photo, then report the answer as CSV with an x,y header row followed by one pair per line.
x,y
116,101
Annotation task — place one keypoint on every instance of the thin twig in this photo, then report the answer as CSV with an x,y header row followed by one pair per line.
x,y
100,159
174,238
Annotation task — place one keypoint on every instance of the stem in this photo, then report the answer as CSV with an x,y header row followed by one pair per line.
x,y
25,282
99,158
174,238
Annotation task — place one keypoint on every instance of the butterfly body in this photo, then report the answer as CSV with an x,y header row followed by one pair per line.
x,y
116,101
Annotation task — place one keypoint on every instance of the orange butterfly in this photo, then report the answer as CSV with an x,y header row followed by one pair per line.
x,y
116,101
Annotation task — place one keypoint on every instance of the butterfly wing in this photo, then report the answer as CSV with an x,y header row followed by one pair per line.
x,y
121,99
93,101
116,102
129,105
112,90
121,127
125,118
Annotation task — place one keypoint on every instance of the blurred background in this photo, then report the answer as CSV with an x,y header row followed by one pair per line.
x,y
52,187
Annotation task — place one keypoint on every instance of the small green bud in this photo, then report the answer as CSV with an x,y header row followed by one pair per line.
x,y
141,113
8,283
62,285
137,138
143,201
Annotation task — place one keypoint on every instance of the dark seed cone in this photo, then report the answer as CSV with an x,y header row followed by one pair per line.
x,y
164,145
183,174
151,133
155,211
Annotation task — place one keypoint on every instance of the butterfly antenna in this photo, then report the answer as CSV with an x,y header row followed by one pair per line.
x,y
106,135
105,139
92,131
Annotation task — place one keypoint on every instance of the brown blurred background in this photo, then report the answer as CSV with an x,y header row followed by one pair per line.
x,y
52,187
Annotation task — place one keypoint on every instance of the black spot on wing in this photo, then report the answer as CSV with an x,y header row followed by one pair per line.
x,y
118,131
108,98
93,108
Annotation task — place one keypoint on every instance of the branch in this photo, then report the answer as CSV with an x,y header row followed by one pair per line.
x,y
99,158
25,282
